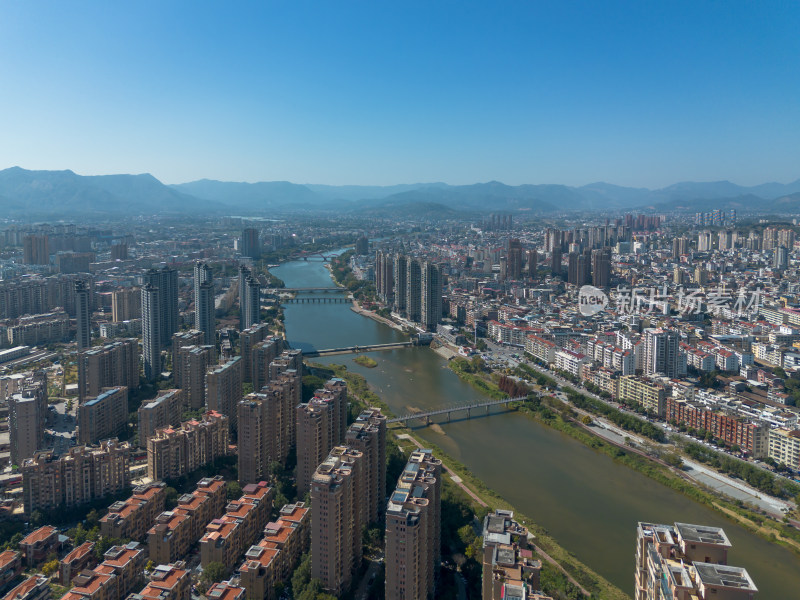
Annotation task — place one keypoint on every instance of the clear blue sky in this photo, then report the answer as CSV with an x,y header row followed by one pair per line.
x,y
634,93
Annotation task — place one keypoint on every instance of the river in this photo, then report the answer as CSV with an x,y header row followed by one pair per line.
x,y
589,503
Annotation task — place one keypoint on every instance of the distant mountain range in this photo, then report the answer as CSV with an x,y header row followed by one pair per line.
x,y
57,194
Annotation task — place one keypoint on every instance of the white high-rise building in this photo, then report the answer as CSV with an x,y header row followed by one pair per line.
x,y
662,352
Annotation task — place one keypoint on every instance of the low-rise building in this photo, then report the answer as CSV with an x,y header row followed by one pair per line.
x,y
10,567
126,563
225,591
36,587
38,544
167,582
177,529
227,537
131,518
79,559
93,585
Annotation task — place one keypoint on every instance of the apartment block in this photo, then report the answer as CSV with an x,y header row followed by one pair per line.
x,y
288,360
751,436
649,394
112,365
509,570
131,518
289,385
337,518
27,411
224,389
225,591
104,416
413,530
541,349
274,558
190,337
227,537
167,582
571,362
77,560
36,587
35,330
176,451
687,562
38,544
190,366
126,305
262,355
248,339
162,411
784,447
126,563
264,419
320,425
10,567
177,529
83,474
368,435
92,585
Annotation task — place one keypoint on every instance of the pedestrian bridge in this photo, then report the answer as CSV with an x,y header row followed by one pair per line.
x,y
357,349
449,410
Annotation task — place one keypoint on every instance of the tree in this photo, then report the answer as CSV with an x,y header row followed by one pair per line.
x,y
213,572
234,490
50,567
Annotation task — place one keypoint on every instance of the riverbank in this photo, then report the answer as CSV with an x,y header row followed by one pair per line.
x,y
575,572
563,417
356,308
580,496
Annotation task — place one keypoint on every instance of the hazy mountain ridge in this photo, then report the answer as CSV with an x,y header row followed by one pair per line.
x,y
48,194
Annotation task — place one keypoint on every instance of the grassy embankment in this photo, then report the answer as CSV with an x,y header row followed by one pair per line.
x,y
561,416
553,581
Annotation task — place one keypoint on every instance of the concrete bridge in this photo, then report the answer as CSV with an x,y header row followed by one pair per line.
x,y
469,408
307,290
318,300
357,349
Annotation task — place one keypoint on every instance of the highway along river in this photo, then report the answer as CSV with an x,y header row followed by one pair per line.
x,y
586,501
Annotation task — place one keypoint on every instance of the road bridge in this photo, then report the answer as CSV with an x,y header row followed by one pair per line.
x,y
449,410
357,349
307,290
318,300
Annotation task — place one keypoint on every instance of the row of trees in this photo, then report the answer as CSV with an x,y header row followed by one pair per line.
x,y
757,477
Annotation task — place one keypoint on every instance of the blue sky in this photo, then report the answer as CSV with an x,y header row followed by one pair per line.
x,y
635,93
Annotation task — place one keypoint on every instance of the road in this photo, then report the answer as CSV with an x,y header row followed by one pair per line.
x,y
734,488
60,427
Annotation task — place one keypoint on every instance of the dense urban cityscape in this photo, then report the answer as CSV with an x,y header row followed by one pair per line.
x,y
399,301
168,436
